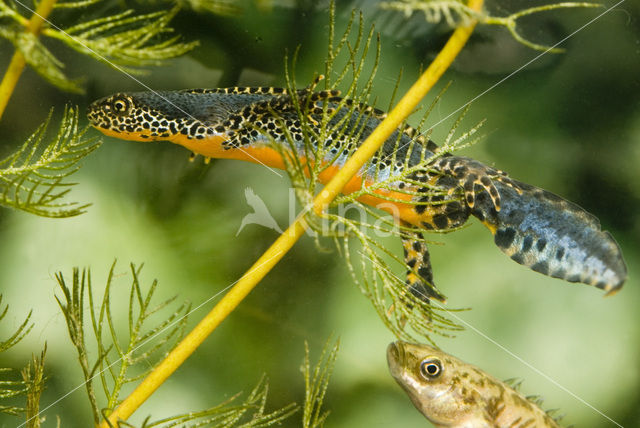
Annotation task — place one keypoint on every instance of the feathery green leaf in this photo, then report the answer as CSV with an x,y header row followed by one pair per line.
x,y
13,388
75,4
120,362
456,14
34,379
372,264
125,41
39,58
248,414
217,7
19,334
33,179
511,22
121,358
316,382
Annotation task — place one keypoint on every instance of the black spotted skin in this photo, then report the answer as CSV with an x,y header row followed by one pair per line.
x,y
532,226
419,279
453,394
553,236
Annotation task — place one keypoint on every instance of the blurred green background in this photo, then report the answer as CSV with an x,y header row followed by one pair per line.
x,y
569,123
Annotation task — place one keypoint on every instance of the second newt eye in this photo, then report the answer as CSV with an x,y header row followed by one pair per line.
x,y
120,105
430,368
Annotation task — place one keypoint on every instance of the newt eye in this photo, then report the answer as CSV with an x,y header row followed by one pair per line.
x,y
430,368
120,105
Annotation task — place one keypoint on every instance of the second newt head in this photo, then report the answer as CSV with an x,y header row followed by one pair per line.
x,y
426,375
454,394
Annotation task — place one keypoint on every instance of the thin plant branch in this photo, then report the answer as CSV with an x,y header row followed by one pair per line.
x,y
34,178
18,61
286,241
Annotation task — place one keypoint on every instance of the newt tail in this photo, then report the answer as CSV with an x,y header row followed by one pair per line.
x,y
532,226
553,236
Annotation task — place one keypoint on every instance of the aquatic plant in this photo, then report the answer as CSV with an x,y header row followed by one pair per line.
x,y
151,333
10,389
31,188
457,12
32,178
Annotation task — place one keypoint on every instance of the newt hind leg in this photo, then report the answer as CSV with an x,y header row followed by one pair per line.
x,y
471,175
441,211
419,273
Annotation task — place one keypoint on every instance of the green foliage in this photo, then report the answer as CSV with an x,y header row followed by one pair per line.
x,y
453,12
19,334
119,361
408,317
33,179
29,386
456,13
248,414
367,256
39,57
153,329
511,22
217,7
316,383
124,41
10,389
34,379
116,359
75,4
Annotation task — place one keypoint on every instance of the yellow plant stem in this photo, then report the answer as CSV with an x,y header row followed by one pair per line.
x,y
16,66
280,247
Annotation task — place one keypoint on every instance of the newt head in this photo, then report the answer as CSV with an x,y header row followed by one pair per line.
x,y
205,121
154,116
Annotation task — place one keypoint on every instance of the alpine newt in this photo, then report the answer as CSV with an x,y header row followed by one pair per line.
x,y
454,394
532,226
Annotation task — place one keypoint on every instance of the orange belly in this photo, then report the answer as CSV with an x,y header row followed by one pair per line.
x,y
265,155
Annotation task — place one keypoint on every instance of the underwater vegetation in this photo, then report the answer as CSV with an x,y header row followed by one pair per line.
x,y
113,335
